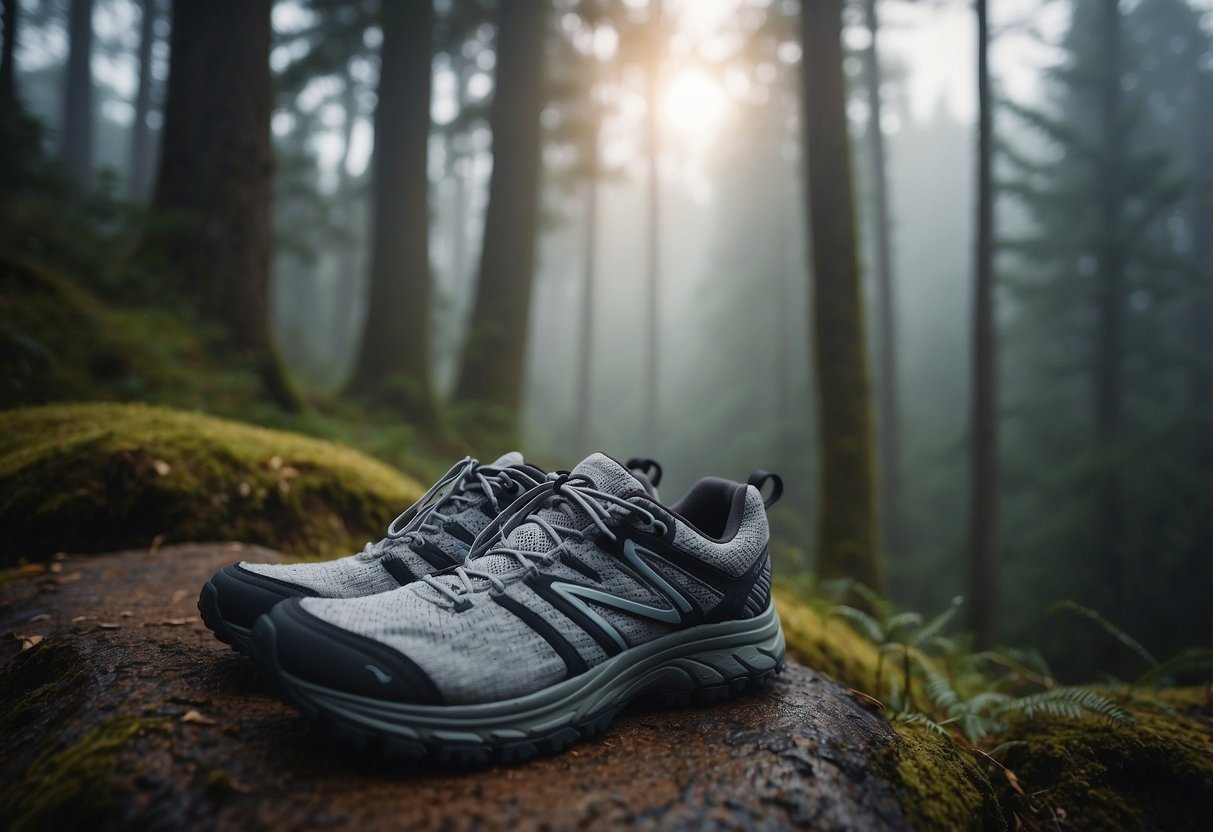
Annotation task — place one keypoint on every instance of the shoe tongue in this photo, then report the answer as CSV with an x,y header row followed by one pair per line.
x,y
609,476
506,460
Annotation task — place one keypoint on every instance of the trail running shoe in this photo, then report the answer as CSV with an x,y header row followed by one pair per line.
x,y
585,595
435,533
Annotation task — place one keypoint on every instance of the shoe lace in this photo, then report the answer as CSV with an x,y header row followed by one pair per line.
x,y
560,491
466,483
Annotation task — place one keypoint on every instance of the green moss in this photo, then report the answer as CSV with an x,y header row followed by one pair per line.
x,y
826,644
939,784
1151,774
47,678
73,786
98,477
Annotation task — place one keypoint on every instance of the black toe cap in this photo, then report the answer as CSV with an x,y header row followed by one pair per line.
x,y
241,596
315,651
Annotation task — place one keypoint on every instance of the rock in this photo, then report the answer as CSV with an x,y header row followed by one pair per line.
x,y
152,725
98,477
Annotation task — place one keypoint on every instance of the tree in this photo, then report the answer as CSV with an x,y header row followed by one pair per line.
x,y
396,339
493,359
140,163
8,83
847,538
76,139
652,150
216,172
886,305
589,183
983,488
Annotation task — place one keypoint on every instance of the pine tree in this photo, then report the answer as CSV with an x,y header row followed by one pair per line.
x,y
847,539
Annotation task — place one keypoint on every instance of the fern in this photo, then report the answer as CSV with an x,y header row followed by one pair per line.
x,y
929,632
1069,702
894,624
1108,627
1195,658
864,624
915,718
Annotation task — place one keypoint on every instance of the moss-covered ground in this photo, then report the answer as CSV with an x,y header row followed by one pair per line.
x,y
100,477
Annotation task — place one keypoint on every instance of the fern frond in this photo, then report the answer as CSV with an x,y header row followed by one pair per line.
x,y
841,588
987,701
935,626
864,624
939,688
1068,702
1108,627
1195,658
901,621
915,718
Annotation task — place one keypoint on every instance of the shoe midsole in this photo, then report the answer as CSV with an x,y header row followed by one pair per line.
x,y
710,655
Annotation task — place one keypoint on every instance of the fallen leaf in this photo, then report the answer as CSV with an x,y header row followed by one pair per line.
x,y
30,569
162,467
288,472
79,618
172,622
46,616
125,614
244,489
196,717
275,463
68,579
29,641
108,625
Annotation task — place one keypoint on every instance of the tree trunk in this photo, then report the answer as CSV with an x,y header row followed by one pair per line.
x,y
216,171
983,577
140,164
76,137
888,423
586,334
494,356
1110,299
652,92
396,340
347,259
8,73
847,537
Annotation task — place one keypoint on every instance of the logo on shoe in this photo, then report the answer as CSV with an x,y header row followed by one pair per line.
x,y
577,595
383,678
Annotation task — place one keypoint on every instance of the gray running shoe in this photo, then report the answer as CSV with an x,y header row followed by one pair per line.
x,y
435,533
586,594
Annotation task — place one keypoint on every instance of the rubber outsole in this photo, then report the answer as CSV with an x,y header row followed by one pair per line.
x,y
509,745
237,637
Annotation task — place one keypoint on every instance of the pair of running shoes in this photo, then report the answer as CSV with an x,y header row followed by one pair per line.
x,y
512,611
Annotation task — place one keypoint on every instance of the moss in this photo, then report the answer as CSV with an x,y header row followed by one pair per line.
x,y
61,341
98,477
73,786
939,784
47,678
826,644
1151,774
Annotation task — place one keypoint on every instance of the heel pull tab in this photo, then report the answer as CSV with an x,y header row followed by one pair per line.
x,y
759,478
649,467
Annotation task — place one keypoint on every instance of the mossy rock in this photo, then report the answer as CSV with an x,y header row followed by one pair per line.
x,y
827,644
99,477
1156,773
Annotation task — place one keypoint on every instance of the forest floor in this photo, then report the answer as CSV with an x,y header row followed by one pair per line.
x,y
123,710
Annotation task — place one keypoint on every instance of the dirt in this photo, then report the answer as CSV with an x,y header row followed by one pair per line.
x,y
129,713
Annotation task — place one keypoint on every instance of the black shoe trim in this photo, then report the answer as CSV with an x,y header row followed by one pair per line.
x,y
433,555
316,651
572,659
241,596
399,570
459,532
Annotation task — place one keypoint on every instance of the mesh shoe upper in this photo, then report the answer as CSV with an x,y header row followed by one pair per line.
x,y
438,537
583,567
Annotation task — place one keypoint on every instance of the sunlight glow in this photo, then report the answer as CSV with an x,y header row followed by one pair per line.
x,y
694,103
